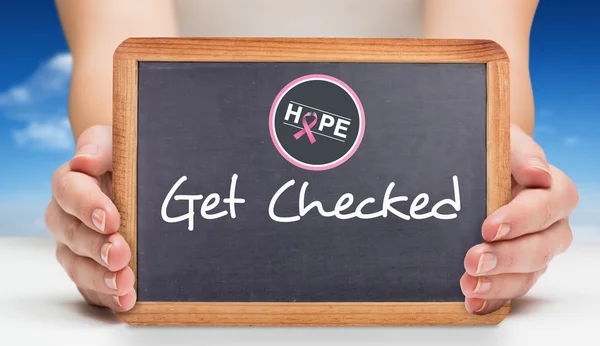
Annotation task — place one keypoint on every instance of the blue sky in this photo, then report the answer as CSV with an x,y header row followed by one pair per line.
x,y
35,37
35,137
566,83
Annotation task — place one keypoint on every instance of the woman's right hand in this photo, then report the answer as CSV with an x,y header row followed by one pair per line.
x,y
84,221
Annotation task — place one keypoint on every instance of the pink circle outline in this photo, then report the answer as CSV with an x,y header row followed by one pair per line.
x,y
282,151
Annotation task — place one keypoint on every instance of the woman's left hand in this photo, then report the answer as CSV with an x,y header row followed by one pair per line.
x,y
523,236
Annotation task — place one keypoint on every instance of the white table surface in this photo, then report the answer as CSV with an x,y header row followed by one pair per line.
x,y
40,306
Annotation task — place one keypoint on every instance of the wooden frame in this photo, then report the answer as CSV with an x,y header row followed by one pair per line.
x,y
134,50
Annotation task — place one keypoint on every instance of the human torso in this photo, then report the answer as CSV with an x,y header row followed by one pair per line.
x,y
306,18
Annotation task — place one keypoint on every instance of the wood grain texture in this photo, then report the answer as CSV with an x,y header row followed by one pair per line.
x,y
126,59
311,50
125,150
498,135
307,314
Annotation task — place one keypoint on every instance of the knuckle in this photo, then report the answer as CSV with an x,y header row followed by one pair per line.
x,y
90,297
538,151
87,136
529,152
81,208
509,260
49,217
69,267
86,295
70,233
56,176
544,255
93,242
567,238
82,204
548,209
498,287
529,282
569,190
93,134
71,272
573,193
62,185
544,259
58,254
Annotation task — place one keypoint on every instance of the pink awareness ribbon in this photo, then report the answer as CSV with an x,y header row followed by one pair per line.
x,y
308,127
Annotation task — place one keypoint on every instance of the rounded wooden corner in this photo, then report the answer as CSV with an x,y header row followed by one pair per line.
x,y
498,50
499,315
123,46
127,317
504,311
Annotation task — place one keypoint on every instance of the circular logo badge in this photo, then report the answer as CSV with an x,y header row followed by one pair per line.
x,y
317,122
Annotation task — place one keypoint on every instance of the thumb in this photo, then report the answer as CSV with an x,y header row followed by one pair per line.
x,y
93,155
528,163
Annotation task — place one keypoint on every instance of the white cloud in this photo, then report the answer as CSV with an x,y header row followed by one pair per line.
x,y
61,62
50,135
30,114
16,95
37,105
49,81
571,140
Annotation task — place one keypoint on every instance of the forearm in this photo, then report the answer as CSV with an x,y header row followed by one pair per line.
x,y
94,29
90,98
508,22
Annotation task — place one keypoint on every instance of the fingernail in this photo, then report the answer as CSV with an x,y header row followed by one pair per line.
x,y
483,285
88,149
99,219
110,280
104,252
538,163
502,231
117,301
475,302
482,306
487,262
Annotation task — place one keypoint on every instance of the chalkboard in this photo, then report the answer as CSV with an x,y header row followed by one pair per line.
x,y
294,181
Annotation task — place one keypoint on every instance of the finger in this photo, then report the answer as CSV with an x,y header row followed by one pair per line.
x,y
502,286
93,155
117,303
87,274
110,251
525,254
482,307
528,161
532,210
78,194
